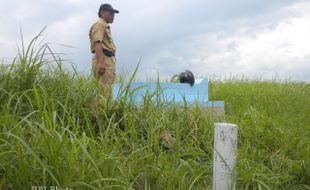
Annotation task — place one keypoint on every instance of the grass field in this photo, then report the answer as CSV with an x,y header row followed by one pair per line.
x,y
54,133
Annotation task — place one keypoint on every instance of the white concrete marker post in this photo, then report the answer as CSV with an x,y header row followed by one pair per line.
x,y
225,156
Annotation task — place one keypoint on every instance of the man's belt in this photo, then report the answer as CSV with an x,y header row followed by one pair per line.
x,y
108,53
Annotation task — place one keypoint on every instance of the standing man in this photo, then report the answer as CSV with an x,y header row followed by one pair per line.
x,y
103,50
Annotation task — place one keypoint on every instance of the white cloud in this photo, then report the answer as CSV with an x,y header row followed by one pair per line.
x,y
7,52
255,51
67,30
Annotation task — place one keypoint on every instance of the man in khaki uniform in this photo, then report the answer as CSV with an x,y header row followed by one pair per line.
x,y
103,49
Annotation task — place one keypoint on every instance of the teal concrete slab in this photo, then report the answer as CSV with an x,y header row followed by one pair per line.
x,y
211,104
168,92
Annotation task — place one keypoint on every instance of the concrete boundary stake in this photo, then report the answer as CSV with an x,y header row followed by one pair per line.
x,y
225,156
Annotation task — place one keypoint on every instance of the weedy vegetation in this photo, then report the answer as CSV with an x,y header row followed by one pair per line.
x,y
53,132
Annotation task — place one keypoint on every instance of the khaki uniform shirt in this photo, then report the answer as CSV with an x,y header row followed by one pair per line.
x,y
100,31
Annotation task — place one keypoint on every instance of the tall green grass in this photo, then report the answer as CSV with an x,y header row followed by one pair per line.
x,y
274,131
54,132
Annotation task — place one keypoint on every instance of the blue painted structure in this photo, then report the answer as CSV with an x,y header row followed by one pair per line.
x,y
170,92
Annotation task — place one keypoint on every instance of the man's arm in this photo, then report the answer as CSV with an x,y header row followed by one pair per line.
x,y
100,58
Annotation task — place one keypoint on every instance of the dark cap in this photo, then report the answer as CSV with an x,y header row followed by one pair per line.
x,y
107,7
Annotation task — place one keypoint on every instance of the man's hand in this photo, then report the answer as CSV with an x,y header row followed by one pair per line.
x,y
100,58
101,68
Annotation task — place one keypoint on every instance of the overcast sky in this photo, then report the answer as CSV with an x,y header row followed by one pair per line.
x,y
223,38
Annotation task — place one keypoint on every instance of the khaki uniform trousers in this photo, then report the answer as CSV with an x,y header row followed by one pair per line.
x,y
106,80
